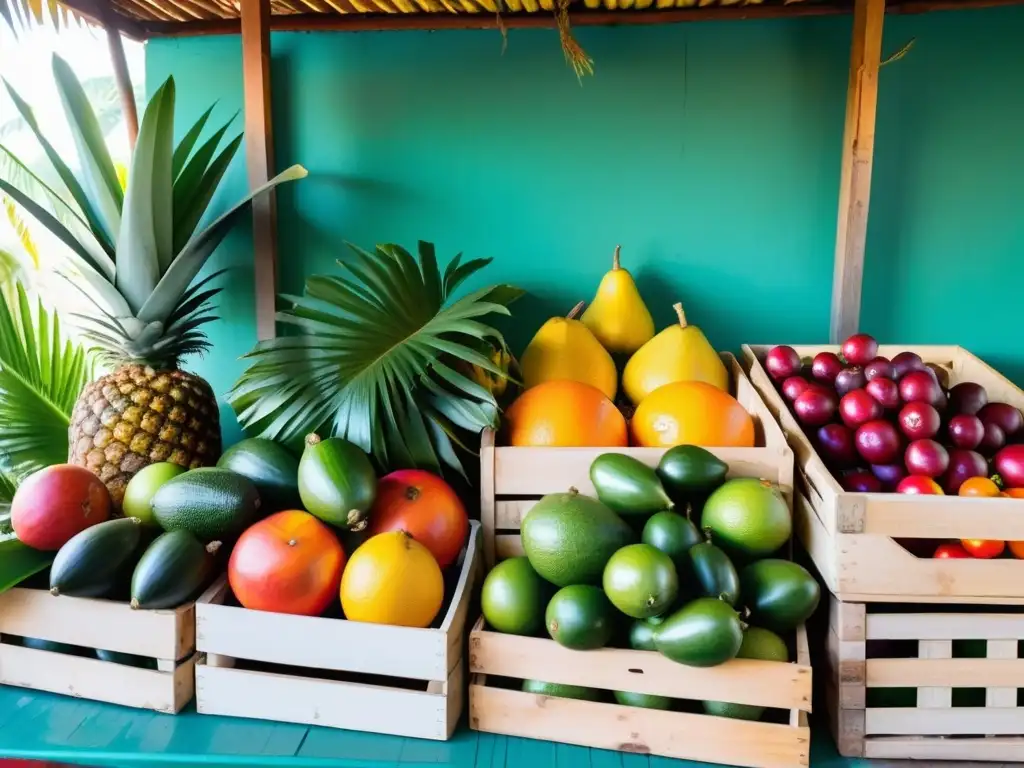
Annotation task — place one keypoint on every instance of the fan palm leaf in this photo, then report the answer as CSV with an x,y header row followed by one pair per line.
x,y
378,357
41,375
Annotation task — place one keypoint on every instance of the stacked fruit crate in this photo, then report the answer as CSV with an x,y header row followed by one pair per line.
x,y
513,479
922,650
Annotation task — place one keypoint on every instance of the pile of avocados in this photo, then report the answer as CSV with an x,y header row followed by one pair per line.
x,y
675,559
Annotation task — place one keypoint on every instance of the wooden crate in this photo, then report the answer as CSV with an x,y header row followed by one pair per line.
x,y
512,479
851,536
166,636
686,735
869,649
332,672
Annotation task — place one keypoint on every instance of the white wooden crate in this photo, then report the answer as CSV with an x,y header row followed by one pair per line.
x,y
168,636
418,688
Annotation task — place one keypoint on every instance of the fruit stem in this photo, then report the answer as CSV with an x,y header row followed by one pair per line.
x,y
680,314
575,311
616,264
134,604
999,482
312,439
689,510
707,533
212,547
54,591
574,491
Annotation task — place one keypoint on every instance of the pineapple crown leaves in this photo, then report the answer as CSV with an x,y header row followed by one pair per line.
x,y
41,375
138,247
378,356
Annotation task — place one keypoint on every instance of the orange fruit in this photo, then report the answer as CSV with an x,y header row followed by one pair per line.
x,y
288,563
984,548
1014,493
978,486
563,413
691,412
392,579
1016,548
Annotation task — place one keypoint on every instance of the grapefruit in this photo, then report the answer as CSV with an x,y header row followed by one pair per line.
x,y
514,597
392,579
288,563
641,581
424,506
563,413
55,503
748,516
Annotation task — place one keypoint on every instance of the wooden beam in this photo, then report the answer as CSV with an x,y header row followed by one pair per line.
x,y
855,178
259,157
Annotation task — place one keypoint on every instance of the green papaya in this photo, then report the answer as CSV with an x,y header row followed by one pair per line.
x,y
336,482
780,594
713,574
689,472
88,563
641,633
172,569
270,467
627,486
704,633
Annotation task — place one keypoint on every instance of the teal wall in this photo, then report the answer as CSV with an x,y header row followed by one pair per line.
x,y
709,151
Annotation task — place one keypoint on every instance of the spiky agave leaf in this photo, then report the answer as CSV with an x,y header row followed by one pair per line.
x,y
376,359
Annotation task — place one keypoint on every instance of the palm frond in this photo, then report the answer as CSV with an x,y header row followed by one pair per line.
x,y
376,359
21,14
41,375
7,488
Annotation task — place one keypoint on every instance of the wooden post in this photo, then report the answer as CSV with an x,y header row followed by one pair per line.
x,y
122,78
259,157
858,152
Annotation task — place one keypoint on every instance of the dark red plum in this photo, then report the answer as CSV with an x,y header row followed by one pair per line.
x,y
885,391
794,386
919,421
921,387
860,349
963,465
878,442
1009,464
850,379
835,443
993,440
905,362
965,431
858,407
815,406
826,366
860,482
889,474
879,367
1007,417
782,362
967,397
926,457
941,374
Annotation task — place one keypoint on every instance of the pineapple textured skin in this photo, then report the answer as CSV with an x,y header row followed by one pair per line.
x,y
137,416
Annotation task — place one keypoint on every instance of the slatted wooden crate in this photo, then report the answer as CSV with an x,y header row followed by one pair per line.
x,y
513,478
870,649
168,637
851,537
332,672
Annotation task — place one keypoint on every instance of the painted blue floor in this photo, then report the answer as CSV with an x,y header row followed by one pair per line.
x,y
47,727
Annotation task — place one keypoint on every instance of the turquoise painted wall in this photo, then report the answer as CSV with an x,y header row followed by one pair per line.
x,y
709,151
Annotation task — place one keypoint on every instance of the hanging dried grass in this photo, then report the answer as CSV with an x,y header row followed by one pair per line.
x,y
574,54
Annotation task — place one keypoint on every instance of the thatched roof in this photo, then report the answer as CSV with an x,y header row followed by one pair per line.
x,y
157,18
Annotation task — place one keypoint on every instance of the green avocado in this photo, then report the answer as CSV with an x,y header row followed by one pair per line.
x,y
713,574
704,633
569,538
561,691
627,486
270,467
641,581
690,472
514,598
673,534
645,700
212,504
780,594
641,633
580,617
757,643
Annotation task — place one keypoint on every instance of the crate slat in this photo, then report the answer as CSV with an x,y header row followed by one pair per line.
x,y
850,536
996,750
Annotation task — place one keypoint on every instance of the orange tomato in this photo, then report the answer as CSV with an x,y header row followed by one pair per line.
x,y
424,506
979,486
1016,549
288,563
1014,493
692,412
984,548
949,551
564,413
392,579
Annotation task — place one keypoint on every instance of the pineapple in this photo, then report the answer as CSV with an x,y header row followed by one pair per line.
x,y
134,251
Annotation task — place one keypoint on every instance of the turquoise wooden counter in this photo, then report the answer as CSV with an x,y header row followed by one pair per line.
x,y
61,729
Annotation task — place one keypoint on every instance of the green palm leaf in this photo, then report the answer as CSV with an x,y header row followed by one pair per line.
x,y
7,489
41,375
378,358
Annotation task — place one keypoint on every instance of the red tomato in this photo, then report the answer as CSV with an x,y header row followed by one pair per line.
x,y
951,550
424,506
919,484
984,548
